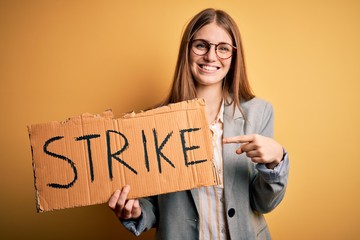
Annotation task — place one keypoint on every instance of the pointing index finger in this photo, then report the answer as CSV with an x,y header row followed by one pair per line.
x,y
239,139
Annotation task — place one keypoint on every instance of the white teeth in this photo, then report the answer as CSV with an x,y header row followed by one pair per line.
x,y
209,68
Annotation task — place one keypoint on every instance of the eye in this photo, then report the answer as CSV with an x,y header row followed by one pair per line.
x,y
224,48
201,45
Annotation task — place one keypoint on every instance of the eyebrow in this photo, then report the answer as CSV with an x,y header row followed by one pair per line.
x,y
212,42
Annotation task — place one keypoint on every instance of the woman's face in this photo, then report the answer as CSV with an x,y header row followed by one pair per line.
x,y
209,69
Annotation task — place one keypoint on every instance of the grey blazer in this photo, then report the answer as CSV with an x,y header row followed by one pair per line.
x,y
250,189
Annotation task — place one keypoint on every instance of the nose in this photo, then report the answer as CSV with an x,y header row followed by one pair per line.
x,y
211,54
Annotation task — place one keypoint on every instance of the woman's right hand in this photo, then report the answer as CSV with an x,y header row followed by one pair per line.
x,y
122,207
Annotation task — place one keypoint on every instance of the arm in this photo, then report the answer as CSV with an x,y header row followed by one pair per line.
x,y
269,185
271,163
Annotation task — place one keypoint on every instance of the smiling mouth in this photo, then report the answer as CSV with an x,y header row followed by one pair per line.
x,y
208,68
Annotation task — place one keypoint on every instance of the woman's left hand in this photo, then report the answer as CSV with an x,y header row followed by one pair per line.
x,y
258,148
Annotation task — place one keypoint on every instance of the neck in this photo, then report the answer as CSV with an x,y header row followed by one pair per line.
x,y
213,98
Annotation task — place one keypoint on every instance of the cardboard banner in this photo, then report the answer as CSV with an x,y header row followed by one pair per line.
x,y
83,160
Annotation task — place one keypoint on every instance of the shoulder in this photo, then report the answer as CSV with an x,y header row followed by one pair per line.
x,y
256,106
256,116
255,109
259,116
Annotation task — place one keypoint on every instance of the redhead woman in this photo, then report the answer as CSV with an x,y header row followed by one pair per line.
x,y
252,166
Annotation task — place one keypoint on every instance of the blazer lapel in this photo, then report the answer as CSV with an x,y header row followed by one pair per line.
x,y
195,195
233,126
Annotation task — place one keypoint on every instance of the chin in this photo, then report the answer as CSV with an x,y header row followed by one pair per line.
x,y
209,82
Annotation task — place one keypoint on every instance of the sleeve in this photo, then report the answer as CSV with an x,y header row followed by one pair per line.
x,y
269,185
148,218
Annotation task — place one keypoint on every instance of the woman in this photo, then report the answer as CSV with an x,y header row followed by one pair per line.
x,y
252,166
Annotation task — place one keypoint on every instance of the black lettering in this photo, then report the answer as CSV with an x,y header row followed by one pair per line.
x,y
158,149
145,151
87,138
185,149
114,155
71,163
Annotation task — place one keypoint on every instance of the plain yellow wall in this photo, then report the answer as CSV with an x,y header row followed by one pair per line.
x,y
62,58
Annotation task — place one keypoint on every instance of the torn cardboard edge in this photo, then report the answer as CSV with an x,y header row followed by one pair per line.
x,y
81,161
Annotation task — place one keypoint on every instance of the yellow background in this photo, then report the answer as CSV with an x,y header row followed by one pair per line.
x,y
63,58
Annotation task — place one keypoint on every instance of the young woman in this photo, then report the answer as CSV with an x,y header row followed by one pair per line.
x,y
252,166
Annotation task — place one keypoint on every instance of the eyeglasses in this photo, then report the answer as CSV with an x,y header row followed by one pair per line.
x,y
201,47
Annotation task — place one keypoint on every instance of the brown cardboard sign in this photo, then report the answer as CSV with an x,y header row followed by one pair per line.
x,y
83,160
